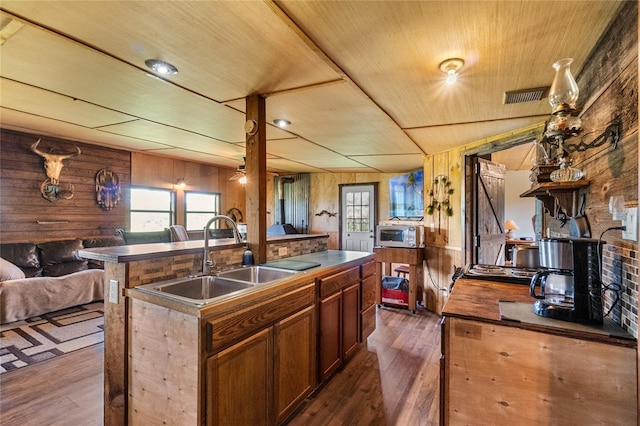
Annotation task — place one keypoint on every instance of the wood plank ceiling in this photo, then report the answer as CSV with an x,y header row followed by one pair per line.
x,y
359,80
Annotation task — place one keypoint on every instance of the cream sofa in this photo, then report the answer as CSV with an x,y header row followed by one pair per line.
x,y
39,278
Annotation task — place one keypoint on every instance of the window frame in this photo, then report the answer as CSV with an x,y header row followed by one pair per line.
x,y
172,200
217,199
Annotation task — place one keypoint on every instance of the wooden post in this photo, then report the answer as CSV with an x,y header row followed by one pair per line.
x,y
256,152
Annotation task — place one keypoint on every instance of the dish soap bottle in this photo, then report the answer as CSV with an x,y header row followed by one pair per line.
x,y
247,258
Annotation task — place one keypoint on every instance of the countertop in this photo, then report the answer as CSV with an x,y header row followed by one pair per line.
x,y
331,261
479,300
134,252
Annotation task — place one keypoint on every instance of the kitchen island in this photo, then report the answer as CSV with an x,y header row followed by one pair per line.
x,y
168,361
501,366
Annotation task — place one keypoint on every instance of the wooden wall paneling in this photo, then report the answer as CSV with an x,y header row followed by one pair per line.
x,y
152,170
428,182
325,195
161,337
608,90
456,177
440,219
22,172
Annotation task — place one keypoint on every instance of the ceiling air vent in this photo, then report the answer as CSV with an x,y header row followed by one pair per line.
x,y
525,95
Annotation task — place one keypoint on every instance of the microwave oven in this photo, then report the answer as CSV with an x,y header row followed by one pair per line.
x,y
408,236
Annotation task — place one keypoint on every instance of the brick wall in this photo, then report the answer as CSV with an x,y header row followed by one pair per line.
x,y
620,269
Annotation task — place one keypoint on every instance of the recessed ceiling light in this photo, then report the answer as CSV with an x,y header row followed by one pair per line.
x,y
161,67
451,68
281,122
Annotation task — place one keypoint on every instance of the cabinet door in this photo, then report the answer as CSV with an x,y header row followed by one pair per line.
x,y
350,320
329,342
239,382
295,361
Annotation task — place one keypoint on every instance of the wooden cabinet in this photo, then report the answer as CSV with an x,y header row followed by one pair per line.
x,y
350,320
265,376
370,282
530,373
272,370
329,352
339,322
507,375
295,361
239,382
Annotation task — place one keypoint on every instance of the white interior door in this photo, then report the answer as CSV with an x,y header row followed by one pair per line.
x,y
357,221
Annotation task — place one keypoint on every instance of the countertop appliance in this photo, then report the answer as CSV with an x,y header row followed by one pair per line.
x,y
400,235
525,256
569,281
505,274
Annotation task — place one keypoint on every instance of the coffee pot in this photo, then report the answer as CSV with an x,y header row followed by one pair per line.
x,y
569,280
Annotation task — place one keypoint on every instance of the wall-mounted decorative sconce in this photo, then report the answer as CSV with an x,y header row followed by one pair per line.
x,y
451,67
510,226
180,183
565,121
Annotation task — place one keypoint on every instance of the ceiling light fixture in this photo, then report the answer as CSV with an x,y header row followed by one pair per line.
x,y
281,122
161,67
451,67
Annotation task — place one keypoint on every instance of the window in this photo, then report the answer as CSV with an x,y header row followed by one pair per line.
x,y
151,209
199,207
358,211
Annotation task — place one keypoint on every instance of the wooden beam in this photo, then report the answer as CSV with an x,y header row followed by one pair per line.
x,y
256,178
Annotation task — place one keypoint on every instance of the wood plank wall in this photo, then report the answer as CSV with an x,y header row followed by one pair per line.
x,y
325,195
608,91
163,172
22,172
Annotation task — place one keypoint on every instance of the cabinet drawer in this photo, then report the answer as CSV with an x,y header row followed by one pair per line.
x,y
369,291
333,283
225,331
368,321
368,268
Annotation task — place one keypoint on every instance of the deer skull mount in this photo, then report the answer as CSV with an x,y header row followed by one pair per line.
x,y
51,189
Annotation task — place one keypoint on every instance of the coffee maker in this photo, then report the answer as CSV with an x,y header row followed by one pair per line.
x,y
569,280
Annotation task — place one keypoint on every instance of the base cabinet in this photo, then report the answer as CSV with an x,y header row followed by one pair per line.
x,y
295,366
239,382
510,376
265,376
339,312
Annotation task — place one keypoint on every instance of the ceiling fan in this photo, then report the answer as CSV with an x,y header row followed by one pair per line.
x,y
241,172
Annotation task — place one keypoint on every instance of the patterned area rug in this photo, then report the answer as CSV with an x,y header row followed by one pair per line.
x,y
40,338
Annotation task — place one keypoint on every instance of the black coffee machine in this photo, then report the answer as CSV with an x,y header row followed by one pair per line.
x,y
569,280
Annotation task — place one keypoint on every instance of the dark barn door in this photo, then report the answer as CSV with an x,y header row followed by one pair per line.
x,y
489,237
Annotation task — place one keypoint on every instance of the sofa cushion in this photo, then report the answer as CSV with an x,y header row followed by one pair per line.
x,y
60,269
24,256
61,257
26,298
9,271
104,241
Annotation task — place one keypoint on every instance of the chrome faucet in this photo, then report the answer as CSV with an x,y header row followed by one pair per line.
x,y
206,262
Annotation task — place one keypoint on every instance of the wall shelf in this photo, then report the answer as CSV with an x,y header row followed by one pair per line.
x,y
563,193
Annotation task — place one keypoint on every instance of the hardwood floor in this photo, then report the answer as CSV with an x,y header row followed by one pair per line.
x,y
66,390
392,380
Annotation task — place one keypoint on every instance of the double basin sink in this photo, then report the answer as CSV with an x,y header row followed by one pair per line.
x,y
206,289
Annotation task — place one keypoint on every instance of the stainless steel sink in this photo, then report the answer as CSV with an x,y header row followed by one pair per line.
x,y
203,290
198,290
256,274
